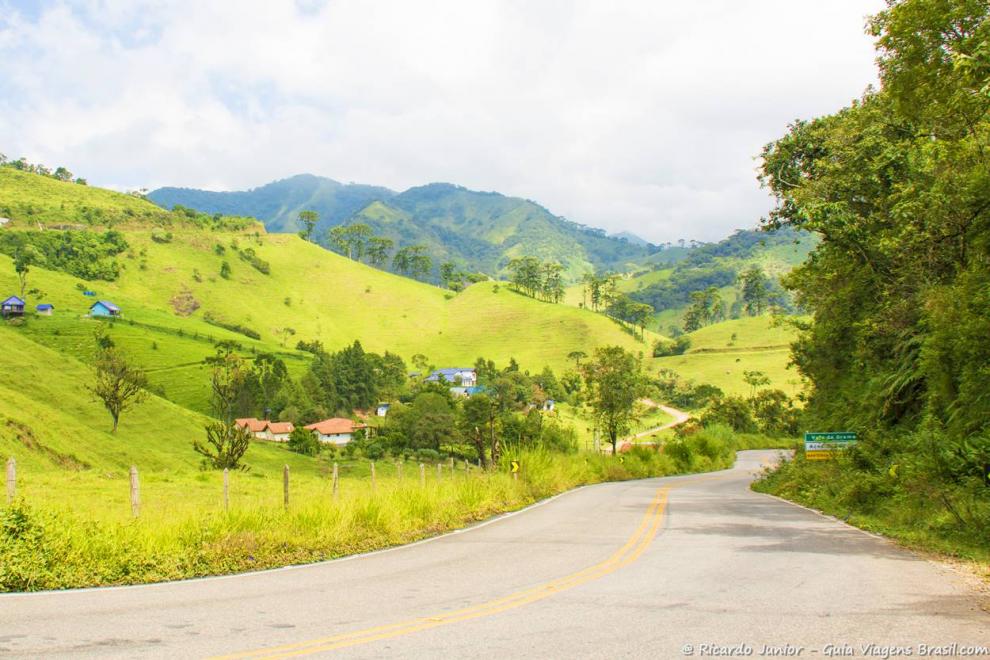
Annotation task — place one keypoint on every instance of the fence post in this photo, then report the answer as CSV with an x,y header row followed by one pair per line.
x,y
467,466
135,493
285,487
335,476
11,479
226,489
422,475
372,476
452,472
398,470
479,462
439,471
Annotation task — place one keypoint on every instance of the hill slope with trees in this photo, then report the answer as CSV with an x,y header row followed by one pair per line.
x,y
477,231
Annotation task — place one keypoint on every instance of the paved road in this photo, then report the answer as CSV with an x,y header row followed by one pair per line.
x,y
635,569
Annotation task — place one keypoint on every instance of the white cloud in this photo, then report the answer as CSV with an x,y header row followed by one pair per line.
x,y
643,116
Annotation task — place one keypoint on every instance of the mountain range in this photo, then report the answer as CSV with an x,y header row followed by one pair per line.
x,y
479,231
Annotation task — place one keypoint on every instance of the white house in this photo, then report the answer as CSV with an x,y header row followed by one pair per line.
x,y
336,430
382,409
278,431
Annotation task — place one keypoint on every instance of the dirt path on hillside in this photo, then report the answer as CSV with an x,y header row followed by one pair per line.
x,y
679,418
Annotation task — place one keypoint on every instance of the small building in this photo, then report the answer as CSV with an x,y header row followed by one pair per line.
x,y
278,431
255,427
461,377
336,430
11,307
89,294
45,309
549,405
104,308
4,221
382,409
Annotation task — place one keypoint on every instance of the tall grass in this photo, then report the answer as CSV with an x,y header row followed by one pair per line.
x,y
45,544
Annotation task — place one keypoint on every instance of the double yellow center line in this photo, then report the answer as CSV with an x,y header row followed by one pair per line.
x,y
627,554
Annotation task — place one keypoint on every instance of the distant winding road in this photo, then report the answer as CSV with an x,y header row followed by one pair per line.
x,y
654,568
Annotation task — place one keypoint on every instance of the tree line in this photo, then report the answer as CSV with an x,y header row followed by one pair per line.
x,y
426,419
60,173
897,187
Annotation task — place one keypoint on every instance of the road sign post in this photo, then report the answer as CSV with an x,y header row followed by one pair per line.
x,y
824,446
515,470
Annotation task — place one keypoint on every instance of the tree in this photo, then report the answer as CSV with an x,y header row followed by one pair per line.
x,y
357,240
270,375
448,274
525,275
225,446
119,384
413,260
477,422
229,383
615,383
26,257
429,422
308,219
755,290
303,441
755,379
378,250
732,411
551,283
577,356
706,307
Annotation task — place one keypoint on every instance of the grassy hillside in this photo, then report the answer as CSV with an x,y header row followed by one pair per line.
x,y
170,291
49,421
480,231
721,352
30,199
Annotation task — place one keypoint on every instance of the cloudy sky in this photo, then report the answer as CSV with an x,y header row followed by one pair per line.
x,y
640,115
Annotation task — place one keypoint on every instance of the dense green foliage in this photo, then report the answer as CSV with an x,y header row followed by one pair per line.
x,y
482,231
898,187
726,263
84,254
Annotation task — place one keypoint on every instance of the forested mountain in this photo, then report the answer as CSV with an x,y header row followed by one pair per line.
x,y
479,231
721,264
278,203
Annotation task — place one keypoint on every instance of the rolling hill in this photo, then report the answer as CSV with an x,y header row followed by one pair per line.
x,y
479,231
720,354
175,299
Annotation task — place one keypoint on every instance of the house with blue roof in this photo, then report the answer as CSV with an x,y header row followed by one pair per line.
x,y
12,306
45,309
104,308
462,377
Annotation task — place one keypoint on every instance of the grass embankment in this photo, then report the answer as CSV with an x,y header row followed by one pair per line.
x,y
75,530
720,354
889,504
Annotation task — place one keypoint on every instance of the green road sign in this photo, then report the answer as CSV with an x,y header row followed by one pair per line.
x,y
822,446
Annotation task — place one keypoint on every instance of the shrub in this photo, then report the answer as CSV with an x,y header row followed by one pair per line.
x,y
732,411
303,441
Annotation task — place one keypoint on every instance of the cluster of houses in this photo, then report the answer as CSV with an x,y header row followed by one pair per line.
x,y
14,307
333,431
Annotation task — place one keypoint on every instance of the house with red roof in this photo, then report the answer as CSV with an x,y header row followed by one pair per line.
x,y
278,431
255,427
336,430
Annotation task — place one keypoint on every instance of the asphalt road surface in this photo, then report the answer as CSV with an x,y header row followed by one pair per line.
x,y
636,569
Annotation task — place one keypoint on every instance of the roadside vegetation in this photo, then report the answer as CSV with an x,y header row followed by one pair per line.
x,y
64,533
896,185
